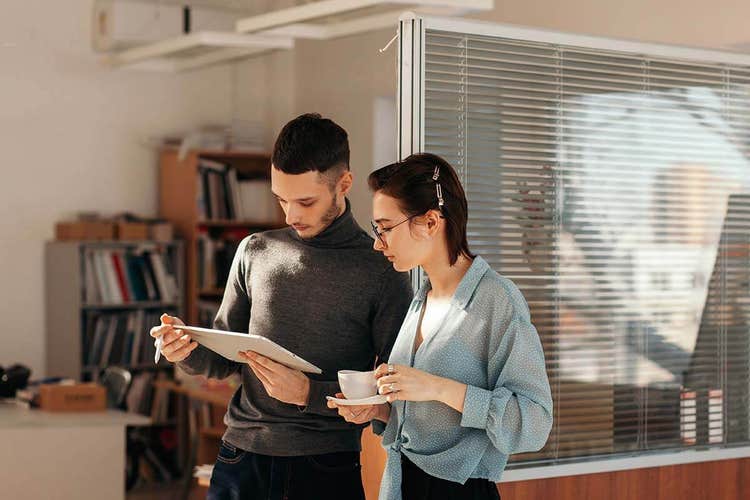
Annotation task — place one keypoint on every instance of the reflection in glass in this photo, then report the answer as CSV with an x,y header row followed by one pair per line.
x,y
615,191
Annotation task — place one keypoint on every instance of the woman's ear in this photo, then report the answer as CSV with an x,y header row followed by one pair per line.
x,y
432,222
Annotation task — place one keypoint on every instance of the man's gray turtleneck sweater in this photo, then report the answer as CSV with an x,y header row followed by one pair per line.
x,y
331,299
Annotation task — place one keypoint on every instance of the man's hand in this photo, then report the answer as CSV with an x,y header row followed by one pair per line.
x,y
361,414
176,345
282,383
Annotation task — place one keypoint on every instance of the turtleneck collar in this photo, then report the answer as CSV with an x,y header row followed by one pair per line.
x,y
344,229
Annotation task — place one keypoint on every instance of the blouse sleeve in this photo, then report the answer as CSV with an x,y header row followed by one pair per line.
x,y
516,412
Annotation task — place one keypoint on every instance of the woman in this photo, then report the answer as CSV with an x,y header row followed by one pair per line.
x,y
466,383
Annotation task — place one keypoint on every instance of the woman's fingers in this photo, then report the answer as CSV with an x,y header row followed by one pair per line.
x,y
388,379
386,369
389,384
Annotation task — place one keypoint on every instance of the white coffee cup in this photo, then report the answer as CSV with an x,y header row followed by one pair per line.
x,y
358,385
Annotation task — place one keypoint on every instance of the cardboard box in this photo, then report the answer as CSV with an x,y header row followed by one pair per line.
x,y
132,231
162,231
85,230
74,398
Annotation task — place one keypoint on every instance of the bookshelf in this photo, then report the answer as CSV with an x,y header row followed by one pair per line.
x,y
83,309
183,201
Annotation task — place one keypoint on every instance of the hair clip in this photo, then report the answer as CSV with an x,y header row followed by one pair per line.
x,y
436,174
439,195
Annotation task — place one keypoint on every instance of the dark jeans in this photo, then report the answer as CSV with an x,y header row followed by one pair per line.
x,y
416,484
244,475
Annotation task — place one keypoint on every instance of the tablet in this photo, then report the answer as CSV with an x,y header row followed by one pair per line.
x,y
228,344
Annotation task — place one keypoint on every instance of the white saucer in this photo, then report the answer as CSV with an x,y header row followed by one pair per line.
x,y
378,399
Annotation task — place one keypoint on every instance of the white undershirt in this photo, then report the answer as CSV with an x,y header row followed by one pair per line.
x,y
433,314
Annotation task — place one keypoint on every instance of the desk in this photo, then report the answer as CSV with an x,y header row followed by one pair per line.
x,y
75,456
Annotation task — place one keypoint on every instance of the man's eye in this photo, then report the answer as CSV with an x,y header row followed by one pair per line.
x,y
308,204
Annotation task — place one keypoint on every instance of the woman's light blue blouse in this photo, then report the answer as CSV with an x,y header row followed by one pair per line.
x,y
487,342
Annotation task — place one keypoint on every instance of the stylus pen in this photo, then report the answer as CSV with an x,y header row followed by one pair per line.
x,y
157,344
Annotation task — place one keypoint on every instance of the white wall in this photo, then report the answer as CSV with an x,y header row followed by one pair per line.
x,y
73,134
342,78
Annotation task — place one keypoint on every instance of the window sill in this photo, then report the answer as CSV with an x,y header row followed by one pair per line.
x,y
596,466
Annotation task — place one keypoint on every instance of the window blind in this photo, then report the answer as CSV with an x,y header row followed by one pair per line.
x,y
614,189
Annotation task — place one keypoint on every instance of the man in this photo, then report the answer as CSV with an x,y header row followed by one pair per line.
x,y
320,290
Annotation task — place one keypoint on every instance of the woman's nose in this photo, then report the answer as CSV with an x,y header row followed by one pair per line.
x,y
378,245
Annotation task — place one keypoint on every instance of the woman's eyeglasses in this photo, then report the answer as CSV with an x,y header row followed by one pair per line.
x,y
380,232
438,191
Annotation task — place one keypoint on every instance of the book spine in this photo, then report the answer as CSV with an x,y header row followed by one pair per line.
x,y
101,276
122,284
112,283
157,264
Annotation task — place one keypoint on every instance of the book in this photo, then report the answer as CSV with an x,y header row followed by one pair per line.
x,y
160,276
138,334
101,277
111,277
109,339
135,273
100,333
143,266
118,267
93,292
234,194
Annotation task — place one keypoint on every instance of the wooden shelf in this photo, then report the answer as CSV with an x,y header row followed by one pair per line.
x,y
131,305
67,314
126,243
162,365
239,223
177,204
234,155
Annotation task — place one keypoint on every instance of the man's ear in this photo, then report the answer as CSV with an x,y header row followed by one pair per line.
x,y
345,183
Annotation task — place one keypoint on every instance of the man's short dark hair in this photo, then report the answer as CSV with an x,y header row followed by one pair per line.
x,y
311,143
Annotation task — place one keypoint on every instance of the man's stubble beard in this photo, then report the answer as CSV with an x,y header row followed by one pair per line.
x,y
330,215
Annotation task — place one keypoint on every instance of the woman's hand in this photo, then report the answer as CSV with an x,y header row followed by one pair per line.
x,y
407,384
398,382
361,414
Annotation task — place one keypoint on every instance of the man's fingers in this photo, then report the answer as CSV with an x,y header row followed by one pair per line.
x,y
166,318
257,367
170,320
261,376
266,362
381,370
159,331
170,347
365,414
182,352
171,335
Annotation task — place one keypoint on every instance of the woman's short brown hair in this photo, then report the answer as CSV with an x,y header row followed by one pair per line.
x,y
411,182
